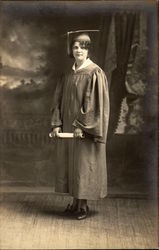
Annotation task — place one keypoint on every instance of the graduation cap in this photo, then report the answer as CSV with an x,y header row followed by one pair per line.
x,y
78,35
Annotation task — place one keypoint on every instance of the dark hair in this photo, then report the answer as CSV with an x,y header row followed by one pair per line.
x,y
83,44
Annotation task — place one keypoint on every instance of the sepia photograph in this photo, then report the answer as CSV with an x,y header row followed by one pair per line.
x,y
79,124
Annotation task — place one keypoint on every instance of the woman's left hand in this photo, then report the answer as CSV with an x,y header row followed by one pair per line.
x,y
78,133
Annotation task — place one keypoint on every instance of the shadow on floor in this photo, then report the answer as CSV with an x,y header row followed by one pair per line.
x,y
37,207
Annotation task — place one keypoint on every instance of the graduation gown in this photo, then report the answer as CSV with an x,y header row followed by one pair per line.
x,y
81,100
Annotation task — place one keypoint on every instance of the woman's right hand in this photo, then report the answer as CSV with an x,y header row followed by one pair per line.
x,y
56,131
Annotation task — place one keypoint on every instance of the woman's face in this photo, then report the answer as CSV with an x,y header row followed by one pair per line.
x,y
80,54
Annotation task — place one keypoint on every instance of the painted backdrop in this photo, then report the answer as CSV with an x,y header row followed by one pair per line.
x,y
33,57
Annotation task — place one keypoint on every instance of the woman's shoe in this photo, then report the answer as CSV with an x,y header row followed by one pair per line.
x,y
83,213
70,209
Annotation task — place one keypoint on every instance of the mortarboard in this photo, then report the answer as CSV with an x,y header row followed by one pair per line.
x,y
81,35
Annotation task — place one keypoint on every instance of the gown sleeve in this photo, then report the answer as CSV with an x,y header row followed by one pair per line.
x,y
94,113
56,120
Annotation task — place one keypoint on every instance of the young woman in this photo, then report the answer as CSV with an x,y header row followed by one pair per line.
x,y
81,106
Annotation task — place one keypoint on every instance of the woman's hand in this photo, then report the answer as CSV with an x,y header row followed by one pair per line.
x,y
56,131
78,133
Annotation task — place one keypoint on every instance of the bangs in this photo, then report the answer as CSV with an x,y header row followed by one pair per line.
x,y
84,44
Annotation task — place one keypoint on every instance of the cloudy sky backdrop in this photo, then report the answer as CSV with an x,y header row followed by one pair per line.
x,y
23,47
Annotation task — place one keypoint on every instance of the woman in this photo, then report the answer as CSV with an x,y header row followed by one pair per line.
x,y
81,106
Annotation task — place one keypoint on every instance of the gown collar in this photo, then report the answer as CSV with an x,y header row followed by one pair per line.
x,y
84,65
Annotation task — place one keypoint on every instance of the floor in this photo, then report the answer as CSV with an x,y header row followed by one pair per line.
x,y
36,221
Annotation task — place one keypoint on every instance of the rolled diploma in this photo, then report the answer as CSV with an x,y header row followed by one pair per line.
x,y
65,135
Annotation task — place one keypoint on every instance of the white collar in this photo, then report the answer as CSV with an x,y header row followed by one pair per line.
x,y
85,64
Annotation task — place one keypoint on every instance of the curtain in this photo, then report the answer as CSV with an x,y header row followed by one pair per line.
x,y
124,30
104,28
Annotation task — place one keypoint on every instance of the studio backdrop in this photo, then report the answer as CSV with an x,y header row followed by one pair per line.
x,y
34,58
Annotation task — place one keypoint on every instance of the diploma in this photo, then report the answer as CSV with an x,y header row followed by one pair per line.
x,y
64,135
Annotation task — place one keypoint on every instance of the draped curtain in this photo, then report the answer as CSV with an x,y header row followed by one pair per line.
x,y
124,30
103,39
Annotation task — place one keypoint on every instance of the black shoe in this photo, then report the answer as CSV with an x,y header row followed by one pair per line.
x,y
83,213
70,209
